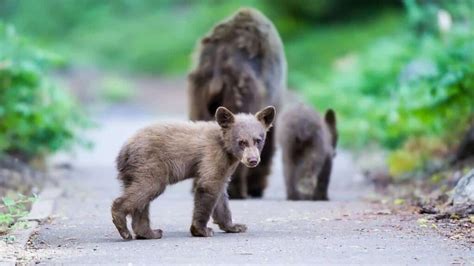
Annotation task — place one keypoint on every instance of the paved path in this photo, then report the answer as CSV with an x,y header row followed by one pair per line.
x,y
344,230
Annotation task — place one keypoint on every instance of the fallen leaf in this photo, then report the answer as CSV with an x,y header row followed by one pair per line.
x,y
455,216
399,201
422,222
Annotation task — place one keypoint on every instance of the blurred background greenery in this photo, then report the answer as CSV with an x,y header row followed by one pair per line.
x,y
400,74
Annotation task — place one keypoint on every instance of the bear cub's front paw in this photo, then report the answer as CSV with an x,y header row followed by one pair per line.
x,y
201,232
236,228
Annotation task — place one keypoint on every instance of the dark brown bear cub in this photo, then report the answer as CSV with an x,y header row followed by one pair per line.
x,y
167,153
308,145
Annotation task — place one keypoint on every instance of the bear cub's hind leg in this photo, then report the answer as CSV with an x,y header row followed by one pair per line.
x,y
321,190
141,205
141,225
119,218
135,201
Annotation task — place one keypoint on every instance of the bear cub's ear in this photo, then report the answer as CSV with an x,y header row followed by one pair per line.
x,y
224,117
266,116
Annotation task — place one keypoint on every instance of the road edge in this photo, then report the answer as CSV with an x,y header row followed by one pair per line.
x,y
40,211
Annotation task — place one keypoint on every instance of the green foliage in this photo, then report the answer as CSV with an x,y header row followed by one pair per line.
x,y
413,86
402,86
414,154
314,53
159,36
12,210
143,35
115,89
36,117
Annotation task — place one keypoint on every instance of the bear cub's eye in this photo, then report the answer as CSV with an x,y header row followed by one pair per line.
x,y
257,141
243,144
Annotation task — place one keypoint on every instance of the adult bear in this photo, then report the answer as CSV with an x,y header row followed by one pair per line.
x,y
240,65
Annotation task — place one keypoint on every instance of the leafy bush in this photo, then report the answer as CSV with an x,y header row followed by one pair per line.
x,y
403,87
36,117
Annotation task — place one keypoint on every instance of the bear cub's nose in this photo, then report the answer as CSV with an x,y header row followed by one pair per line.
x,y
252,161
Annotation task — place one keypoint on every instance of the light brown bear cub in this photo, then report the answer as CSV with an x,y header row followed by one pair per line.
x,y
167,153
308,145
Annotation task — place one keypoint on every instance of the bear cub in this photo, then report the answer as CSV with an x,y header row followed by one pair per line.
x,y
308,145
167,153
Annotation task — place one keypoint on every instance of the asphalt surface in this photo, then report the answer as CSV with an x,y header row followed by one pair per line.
x,y
344,230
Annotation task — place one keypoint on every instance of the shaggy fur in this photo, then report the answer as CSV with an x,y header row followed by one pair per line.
x,y
308,145
164,154
240,65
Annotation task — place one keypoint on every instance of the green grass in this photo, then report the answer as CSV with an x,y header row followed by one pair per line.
x,y
12,210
